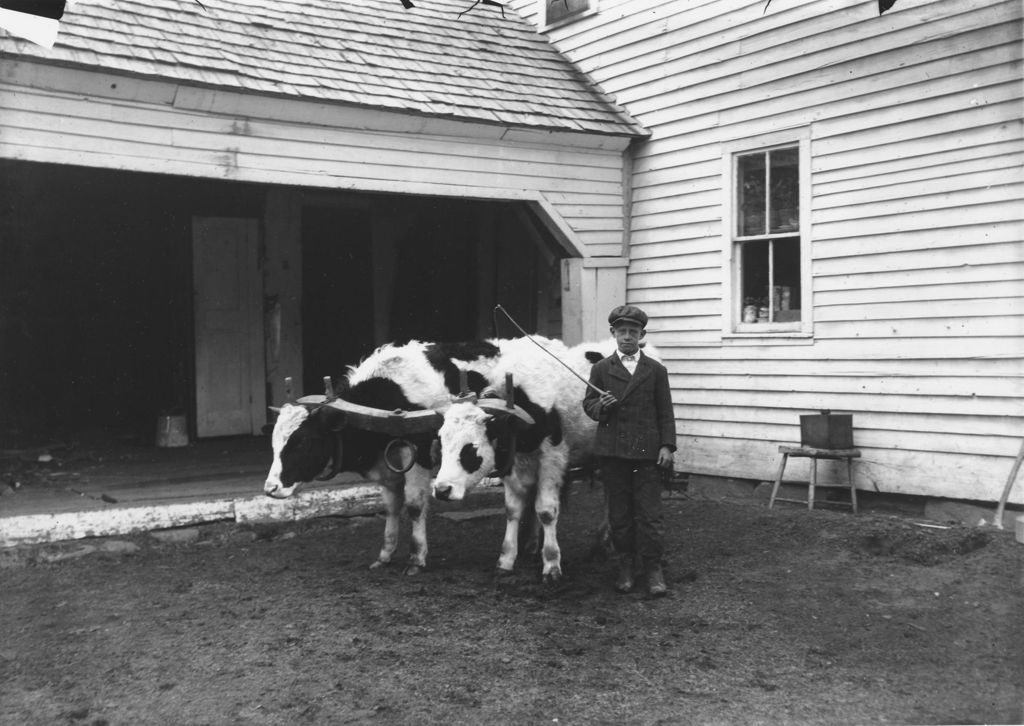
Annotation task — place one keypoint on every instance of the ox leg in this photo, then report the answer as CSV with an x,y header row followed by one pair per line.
x,y
550,475
515,503
529,530
417,499
392,495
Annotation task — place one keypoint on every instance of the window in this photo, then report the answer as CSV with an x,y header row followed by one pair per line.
x,y
557,11
766,215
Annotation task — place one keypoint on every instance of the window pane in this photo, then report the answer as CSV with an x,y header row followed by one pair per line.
x,y
754,264
786,280
784,199
767,239
558,9
750,200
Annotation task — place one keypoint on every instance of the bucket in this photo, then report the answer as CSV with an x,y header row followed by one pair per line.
x,y
1019,531
171,431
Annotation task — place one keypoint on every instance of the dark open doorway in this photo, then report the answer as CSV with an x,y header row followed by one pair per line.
x,y
337,290
95,294
96,286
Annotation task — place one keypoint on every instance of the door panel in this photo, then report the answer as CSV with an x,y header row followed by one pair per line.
x,y
228,332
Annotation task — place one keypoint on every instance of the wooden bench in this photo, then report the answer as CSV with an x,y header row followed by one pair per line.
x,y
814,455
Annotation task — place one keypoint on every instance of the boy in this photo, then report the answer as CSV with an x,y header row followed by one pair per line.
x,y
636,437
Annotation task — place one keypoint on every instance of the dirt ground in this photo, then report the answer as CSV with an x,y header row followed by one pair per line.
x,y
776,616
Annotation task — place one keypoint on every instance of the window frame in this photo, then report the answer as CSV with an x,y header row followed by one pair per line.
x,y
733,326
546,25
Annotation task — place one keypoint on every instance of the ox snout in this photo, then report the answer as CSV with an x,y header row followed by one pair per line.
x,y
277,490
448,493
443,493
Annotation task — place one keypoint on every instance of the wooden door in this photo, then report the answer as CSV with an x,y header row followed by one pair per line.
x,y
230,393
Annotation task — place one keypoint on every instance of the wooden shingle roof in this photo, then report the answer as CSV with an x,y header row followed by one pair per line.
x,y
372,53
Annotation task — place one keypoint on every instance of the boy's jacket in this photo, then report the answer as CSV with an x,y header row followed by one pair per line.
x,y
643,420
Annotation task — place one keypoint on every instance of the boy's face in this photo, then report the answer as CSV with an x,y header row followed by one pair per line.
x,y
628,337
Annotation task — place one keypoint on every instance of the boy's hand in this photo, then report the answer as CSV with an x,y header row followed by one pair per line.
x,y
608,401
665,459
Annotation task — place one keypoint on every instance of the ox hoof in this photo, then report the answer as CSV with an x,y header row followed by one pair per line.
x,y
379,563
411,570
502,573
553,577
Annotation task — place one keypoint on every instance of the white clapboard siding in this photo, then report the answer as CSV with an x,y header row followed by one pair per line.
x,y
923,168
65,116
812,401
971,274
683,363
925,258
987,232
890,469
1002,291
916,221
970,388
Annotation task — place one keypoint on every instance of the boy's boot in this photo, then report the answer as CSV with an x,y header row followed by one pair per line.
x,y
656,586
624,582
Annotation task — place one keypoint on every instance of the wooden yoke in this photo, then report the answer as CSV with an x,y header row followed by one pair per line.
x,y
397,423
465,395
507,406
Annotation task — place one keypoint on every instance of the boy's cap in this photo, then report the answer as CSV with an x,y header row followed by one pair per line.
x,y
629,314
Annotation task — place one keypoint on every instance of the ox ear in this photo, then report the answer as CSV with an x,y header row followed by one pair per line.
x,y
501,411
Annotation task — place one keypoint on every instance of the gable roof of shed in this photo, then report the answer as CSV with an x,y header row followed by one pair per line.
x,y
371,53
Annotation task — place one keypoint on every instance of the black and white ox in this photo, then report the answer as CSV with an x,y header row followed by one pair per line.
x,y
476,439
394,396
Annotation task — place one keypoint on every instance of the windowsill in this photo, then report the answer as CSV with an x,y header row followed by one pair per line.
x,y
768,337
795,327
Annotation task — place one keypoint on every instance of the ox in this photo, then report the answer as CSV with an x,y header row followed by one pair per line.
x,y
393,396
474,438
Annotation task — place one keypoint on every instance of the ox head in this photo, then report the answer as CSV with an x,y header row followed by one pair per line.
x,y
304,440
468,439
309,434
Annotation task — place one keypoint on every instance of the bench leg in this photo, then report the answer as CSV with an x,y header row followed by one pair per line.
x,y
853,488
778,480
814,480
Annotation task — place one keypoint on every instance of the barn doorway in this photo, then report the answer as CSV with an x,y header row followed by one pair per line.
x,y
382,268
455,259
96,323
337,289
97,289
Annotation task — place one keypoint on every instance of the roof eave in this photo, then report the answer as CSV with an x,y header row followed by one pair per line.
x,y
233,101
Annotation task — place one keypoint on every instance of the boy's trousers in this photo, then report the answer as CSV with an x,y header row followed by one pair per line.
x,y
633,493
